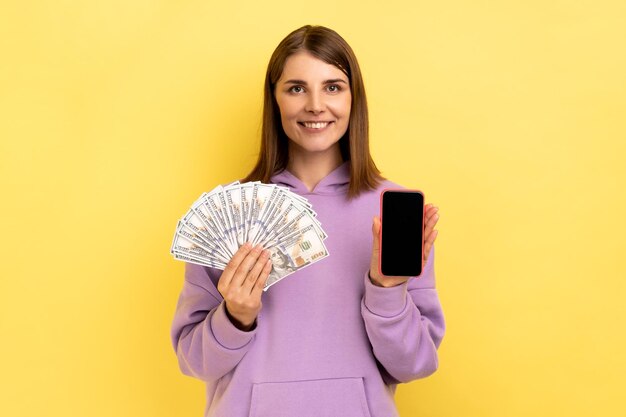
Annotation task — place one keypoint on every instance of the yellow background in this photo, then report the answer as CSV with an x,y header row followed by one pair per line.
x,y
510,115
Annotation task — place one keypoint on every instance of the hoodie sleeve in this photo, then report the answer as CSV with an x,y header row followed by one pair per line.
x,y
405,325
207,344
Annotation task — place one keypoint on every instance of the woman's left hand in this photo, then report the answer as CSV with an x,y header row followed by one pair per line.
x,y
431,217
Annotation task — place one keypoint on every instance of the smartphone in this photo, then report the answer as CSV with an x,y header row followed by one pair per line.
x,y
402,232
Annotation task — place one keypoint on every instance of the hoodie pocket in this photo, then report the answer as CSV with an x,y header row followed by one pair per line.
x,y
339,397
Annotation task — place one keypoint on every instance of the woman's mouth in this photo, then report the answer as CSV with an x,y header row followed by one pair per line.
x,y
314,125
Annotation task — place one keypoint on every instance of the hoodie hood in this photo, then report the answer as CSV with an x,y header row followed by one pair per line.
x,y
336,182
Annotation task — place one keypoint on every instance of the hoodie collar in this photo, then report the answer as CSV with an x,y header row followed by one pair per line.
x,y
336,182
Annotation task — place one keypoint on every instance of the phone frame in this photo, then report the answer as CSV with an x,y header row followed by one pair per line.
x,y
380,232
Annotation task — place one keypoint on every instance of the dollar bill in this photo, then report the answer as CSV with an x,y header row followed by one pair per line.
x,y
299,251
208,217
186,247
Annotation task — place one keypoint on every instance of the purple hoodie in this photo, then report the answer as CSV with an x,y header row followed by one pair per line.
x,y
327,341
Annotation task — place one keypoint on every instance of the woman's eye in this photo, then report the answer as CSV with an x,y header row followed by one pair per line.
x,y
333,88
296,89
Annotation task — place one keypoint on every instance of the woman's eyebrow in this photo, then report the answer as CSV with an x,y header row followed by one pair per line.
x,y
302,82
335,81
295,82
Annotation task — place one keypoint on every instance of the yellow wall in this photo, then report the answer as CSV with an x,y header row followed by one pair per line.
x,y
510,115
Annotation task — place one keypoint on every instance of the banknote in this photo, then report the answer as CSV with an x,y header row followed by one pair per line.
x,y
220,221
294,253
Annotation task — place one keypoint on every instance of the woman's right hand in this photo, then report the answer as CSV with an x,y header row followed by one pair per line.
x,y
242,282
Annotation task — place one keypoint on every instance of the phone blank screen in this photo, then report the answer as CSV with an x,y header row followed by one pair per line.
x,y
402,228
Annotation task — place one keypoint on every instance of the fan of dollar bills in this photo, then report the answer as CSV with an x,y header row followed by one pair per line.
x,y
222,220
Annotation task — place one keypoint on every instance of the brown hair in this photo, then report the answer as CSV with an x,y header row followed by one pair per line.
x,y
326,45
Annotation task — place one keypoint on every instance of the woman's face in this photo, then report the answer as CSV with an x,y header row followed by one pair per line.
x,y
314,99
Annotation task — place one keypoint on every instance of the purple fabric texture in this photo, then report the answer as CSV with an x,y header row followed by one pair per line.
x,y
327,341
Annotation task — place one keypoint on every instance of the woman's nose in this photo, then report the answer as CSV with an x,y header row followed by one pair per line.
x,y
315,103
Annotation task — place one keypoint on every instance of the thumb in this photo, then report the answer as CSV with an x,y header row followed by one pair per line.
x,y
376,233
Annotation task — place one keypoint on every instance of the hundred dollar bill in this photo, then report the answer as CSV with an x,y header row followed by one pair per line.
x,y
295,253
246,200
254,209
234,209
277,220
209,213
296,197
262,197
197,222
209,219
214,204
185,247
227,203
301,202
274,207
198,240
194,260
292,222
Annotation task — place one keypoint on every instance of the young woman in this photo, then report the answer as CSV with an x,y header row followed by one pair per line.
x,y
334,338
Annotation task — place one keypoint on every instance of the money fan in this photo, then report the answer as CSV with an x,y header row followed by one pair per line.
x,y
222,220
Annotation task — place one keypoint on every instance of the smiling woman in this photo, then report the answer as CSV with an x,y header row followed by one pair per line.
x,y
338,336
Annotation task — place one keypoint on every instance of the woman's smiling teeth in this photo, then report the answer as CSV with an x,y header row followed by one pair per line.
x,y
315,125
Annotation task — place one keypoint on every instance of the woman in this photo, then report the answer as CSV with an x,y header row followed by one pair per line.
x,y
335,338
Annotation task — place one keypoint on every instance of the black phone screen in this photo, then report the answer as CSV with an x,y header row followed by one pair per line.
x,y
402,217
